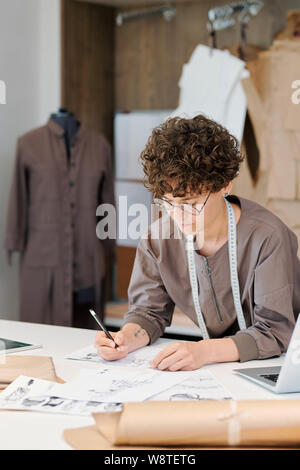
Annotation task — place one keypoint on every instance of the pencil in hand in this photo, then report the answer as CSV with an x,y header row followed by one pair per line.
x,y
103,327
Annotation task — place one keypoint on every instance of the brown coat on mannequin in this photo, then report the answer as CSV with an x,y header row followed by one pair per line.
x,y
52,220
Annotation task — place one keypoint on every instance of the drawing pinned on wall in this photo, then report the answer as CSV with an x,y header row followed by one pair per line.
x,y
133,205
131,131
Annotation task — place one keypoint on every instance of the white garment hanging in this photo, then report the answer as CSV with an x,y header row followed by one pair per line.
x,y
210,84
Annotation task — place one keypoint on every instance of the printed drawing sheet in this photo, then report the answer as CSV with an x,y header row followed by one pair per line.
x,y
116,384
106,388
140,358
110,384
201,385
29,393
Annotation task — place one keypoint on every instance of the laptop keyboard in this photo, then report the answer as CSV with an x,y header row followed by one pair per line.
x,y
273,377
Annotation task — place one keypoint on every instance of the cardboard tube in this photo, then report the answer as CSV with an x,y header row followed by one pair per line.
x,y
208,422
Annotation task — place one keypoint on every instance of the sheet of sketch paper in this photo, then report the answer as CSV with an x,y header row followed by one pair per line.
x,y
202,385
28,393
119,384
139,358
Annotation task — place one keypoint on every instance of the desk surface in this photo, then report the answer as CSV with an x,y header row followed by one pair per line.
x,y
31,430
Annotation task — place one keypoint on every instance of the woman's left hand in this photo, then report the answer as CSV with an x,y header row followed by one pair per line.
x,y
180,356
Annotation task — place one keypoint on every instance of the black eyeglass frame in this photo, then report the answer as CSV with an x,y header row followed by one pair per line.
x,y
161,203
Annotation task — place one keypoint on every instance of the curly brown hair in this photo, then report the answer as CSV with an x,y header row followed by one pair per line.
x,y
195,154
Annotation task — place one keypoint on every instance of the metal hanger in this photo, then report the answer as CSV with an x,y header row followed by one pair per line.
x,y
223,17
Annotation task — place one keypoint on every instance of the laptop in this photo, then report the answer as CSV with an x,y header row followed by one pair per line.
x,y
284,379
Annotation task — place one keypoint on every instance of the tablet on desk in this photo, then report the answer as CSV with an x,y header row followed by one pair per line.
x,y
8,346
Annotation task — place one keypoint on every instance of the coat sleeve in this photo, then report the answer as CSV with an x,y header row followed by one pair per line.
x,y
273,315
17,213
149,303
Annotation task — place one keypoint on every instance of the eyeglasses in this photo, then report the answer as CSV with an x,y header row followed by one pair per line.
x,y
188,208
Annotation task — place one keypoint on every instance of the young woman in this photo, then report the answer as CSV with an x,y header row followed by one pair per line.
x,y
234,272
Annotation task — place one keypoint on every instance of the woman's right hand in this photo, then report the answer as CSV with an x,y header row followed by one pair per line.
x,y
107,348
128,339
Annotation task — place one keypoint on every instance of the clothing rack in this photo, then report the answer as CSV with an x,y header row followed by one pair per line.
x,y
167,12
222,17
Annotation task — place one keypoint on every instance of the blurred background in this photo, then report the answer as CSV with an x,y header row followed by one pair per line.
x,y
105,72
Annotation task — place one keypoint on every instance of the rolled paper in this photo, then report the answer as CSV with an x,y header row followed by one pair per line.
x,y
41,367
207,422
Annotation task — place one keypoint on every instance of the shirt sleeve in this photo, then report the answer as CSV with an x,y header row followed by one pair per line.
x,y
17,214
273,316
149,303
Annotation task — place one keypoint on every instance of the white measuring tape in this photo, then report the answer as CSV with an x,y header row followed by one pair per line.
x,y
232,250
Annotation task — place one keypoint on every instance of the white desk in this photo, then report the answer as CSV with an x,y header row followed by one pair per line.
x,y
31,430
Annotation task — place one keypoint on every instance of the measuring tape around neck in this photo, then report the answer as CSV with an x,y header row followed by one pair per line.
x,y
232,251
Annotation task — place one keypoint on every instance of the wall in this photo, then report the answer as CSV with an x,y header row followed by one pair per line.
x,y
147,71
137,65
88,64
30,68
148,58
